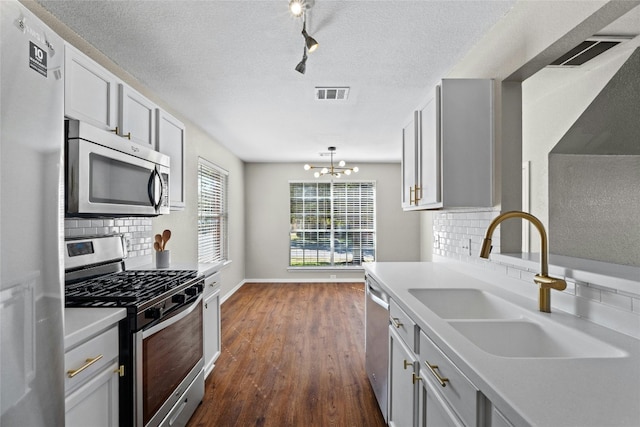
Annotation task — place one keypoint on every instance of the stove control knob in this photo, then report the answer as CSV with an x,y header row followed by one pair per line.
x,y
191,291
153,313
199,287
178,298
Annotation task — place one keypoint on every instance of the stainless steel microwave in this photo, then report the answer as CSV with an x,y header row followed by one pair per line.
x,y
107,175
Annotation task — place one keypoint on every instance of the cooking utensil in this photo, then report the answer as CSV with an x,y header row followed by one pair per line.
x,y
166,235
157,246
158,239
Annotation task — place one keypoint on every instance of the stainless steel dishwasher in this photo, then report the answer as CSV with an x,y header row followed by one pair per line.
x,y
377,341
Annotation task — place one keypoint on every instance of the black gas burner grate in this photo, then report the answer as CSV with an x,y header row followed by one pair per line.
x,y
125,288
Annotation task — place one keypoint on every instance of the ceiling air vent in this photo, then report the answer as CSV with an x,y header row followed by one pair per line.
x,y
587,50
332,93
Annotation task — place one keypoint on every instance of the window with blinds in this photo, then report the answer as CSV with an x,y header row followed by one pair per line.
x,y
212,212
332,223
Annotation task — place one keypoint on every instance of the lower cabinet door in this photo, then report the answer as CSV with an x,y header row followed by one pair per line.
x,y
403,383
96,402
434,410
211,331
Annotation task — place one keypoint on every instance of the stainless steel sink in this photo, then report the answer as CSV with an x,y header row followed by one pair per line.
x,y
527,339
460,303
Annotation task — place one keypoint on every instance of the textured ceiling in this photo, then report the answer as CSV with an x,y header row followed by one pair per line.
x,y
229,66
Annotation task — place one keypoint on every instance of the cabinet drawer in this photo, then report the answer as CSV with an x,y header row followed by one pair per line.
x,y
212,284
459,392
92,355
404,326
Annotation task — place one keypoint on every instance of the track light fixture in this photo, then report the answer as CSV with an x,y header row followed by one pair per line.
x,y
309,41
334,171
302,65
299,8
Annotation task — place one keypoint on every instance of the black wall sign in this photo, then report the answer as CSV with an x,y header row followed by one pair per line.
x,y
37,59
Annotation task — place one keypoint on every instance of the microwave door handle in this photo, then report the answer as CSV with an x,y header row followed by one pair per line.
x,y
155,180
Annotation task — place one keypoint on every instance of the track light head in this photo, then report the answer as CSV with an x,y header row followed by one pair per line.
x,y
302,65
296,7
309,41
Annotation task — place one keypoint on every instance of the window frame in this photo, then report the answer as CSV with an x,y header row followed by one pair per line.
x,y
221,245
333,230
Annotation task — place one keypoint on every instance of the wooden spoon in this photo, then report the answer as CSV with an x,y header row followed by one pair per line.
x,y
158,239
166,235
156,246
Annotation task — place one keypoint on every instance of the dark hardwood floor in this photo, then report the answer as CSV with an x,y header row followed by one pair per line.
x,y
292,355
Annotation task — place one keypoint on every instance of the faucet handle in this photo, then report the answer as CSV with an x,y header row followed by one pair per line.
x,y
548,282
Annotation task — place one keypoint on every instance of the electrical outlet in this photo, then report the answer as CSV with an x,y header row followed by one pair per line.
x,y
467,245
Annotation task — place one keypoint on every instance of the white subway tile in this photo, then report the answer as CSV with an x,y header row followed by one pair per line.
x,y
588,292
617,300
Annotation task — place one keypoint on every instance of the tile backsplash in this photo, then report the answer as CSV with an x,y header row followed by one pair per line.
x,y
458,235
137,231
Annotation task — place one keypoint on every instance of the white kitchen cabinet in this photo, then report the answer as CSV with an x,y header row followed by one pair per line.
x,y
95,403
434,410
456,399
498,419
211,322
403,382
410,144
170,136
452,163
90,91
91,381
136,117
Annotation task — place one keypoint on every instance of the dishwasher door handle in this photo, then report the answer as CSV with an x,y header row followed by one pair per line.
x,y
375,298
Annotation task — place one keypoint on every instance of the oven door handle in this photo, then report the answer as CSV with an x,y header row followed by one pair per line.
x,y
175,317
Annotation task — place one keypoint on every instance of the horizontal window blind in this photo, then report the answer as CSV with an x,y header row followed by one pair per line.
x,y
332,224
212,212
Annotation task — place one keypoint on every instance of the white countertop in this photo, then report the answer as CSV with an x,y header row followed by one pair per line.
x,y
529,391
81,324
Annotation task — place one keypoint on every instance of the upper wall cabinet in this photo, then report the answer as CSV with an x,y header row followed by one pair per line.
x,y
90,91
453,156
171,141
410,142
136,117
95,96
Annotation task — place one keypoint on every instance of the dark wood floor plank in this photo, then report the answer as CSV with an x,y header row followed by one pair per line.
x,y
292,355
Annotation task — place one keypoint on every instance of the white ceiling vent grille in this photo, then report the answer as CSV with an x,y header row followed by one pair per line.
x,y
587,50
332,93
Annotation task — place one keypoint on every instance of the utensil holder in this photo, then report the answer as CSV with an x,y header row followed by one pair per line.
x,y
163,259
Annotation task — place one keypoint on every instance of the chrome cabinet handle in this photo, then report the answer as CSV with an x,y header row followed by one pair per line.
x,y
396,322
90,361
443,381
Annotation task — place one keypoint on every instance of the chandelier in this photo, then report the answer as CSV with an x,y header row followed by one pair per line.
x,y
334,171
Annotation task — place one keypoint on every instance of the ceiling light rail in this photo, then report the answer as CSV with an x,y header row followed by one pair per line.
x,y
332,170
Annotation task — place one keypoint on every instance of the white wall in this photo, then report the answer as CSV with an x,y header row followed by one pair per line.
x,y
267,224
184,224
552,100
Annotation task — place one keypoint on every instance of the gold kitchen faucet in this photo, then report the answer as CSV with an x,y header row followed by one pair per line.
x,y
545,282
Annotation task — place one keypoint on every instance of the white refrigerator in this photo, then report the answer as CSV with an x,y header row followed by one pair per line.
x,y
31,221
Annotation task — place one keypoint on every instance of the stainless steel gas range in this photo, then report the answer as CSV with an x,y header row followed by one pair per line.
x,y
161,342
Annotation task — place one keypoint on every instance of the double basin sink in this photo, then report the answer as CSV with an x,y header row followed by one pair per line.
x,y
502,328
